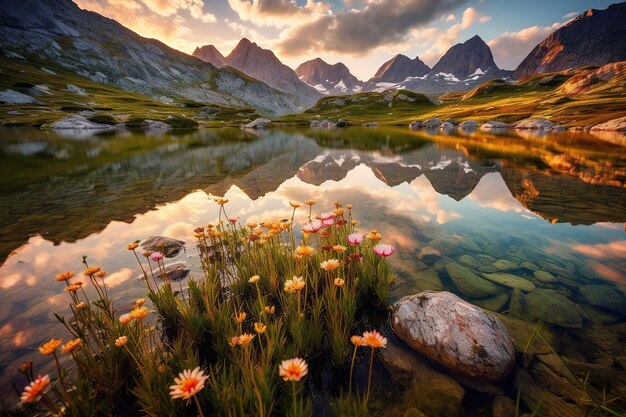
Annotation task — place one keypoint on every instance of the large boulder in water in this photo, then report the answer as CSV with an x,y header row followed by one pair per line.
x,y
166,245
455,334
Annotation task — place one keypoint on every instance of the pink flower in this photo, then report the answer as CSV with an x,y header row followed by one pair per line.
x,y
383,250
355,239
233,219
312,227
156,256
328,222
326,216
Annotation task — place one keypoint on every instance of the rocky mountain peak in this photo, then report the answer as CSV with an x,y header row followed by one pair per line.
x,y
209,53
464,59
328,78
399,68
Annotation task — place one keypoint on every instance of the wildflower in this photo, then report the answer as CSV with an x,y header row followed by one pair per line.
x,y
33,391
254,279
72,287
349,206
234,341
383,250
294,285
156,256
355,256
328,223
48,348
125,318
357,340
221,201
355,239
293,369
310,202
338,211
239,318
138,313
251,225
233,219
339,248
81,305
326,216
245,339
374,339
101,274
161,368
140,301
295,204
25,367
305,250
339,282
188,383
71,345
133,246
147,253
269,309
260,327
374,235
65,276
91,270
330,264
121,341
312,227
354,222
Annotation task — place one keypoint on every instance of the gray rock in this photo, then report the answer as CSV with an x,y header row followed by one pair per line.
x,y
415,124
553,307
341,123
260,123
80,123
511,281
77,90
488,269
545,277
176,271
505,265
542,124
469,283
166,245
14,97
493,125
155,125
468,125
455,334
432,123
618,125
603,296
447,126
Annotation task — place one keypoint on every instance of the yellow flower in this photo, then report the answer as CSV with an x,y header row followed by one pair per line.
x,y
260,327
305,250
81,305
64,276
354,222
221,201
132,246
91,270
269,309
71,345
254,279
48,348
245,339
310,202
338,211
140,301
125,318
339,282
295,204
357,340
374,235
374,339
251,225
101,274
188,383
138,313
293,285
330,264
72,287
33,391
121,341
239,318
349,206
293,369
339,248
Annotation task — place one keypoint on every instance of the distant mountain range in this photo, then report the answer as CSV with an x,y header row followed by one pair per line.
x,y
329,79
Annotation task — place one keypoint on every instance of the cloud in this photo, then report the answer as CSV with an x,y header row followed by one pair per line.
x,y
358,31
611,250
510,48
570,15
278,13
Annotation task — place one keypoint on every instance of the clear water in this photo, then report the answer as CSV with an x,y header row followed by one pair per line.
x,y
558,202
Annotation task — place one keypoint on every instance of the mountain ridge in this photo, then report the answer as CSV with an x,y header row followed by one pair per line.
x,y
328,78
399,68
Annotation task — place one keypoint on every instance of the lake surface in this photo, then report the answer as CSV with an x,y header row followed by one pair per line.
x,y
513,203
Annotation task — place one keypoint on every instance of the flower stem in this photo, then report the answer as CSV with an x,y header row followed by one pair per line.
x,y
195,398
352,368
369,378
293,392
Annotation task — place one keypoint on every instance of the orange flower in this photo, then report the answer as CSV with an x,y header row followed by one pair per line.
x,y
138,313
234,341
293,369
101,274
357,340
251,225
305,250
91,270
330,264
71,345
310,202
64,276
254,279
48,348
239,318
72,287
269,309
81,305
133,246
339,282
221,201
125,318
293,285
188,383
140,301
245,339
338,211
260,327
295,204
339,248
33,391
121,341
349,206
374,339
374,235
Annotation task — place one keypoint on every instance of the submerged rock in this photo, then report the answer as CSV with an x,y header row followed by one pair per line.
x,y
553,307
545,277
494,125
511,281
505,265
469,283
155,125
428,252
260,123
166,245
455,334
603,296
495,303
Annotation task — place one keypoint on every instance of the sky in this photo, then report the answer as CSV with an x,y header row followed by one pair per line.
x,y
362,34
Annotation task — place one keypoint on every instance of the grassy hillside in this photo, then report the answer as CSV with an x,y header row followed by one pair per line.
x,y
110,104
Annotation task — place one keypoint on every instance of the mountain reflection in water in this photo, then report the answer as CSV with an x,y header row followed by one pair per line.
x,y
64,197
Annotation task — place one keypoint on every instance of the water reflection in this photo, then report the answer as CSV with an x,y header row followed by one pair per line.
x,y
482,196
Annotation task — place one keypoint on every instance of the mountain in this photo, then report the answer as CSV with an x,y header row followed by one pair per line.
x,y
465,59
58,33
262,64
328,79
399,68
596,37
210,54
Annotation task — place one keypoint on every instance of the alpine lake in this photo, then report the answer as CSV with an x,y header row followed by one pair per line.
x,y
547,209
